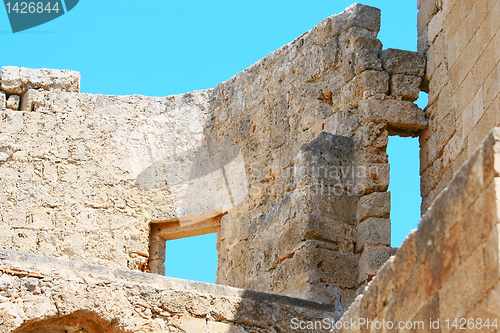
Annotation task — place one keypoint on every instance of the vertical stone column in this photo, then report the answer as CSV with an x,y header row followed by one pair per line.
x,y
157,248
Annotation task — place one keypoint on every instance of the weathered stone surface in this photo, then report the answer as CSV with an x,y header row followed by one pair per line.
x,y
449,267
372,258
403,62
357,15
405,86
27,100
13,102
318,162
93,174
461,47
17,80
95,154
7,149
372,177
402,117
373,231
377,204
3,100
39,291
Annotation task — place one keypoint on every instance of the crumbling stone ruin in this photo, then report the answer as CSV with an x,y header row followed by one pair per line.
x,y
286,162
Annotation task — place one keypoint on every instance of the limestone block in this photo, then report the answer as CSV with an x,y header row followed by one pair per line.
x,y
373,231
356,15
372,139
7,149
372,177
469,278
13,102
189,324
319,161
405,86
17,80
3,100
377,204
43,293
372,258
321,264
216,327
402,117
405,260
27,100
366,60
367,43
403,62
368,83
330,220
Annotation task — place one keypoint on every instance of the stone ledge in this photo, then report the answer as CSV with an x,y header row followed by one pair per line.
x,y
42,265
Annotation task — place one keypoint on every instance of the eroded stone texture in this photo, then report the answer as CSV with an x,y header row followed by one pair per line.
x,y
344,92
282,152
3,100
461,45
449,267
78,175
13,102
40,294
377,204
17,80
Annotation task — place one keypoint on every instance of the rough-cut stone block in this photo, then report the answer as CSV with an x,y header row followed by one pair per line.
x,y
373,231
6,151
17,80
27,100
13,102
323,160
469,279
368,83
403,62
372,177
492,257
366,60
377,204
367,43
402,117
356,15
40,293
405,259
3,100
372,258
405,86
312,268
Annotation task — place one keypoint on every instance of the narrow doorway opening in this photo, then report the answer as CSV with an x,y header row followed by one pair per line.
x,y
404,186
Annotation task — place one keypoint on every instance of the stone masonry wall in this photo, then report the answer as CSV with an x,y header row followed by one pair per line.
x,y
293,149
315,223
450,267
461,42
41,294
75,181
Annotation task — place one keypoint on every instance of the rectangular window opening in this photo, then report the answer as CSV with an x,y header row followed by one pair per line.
x,y
185,251
404,186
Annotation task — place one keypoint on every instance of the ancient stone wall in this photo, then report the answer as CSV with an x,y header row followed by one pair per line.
x,y
42,294
449,268
287,160
73,166
461,42
300,232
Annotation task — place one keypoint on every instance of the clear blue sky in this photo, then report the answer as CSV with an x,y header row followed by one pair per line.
x,y
163,47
